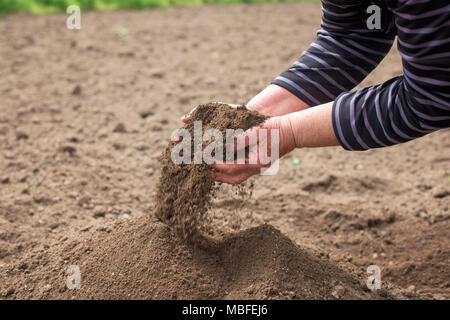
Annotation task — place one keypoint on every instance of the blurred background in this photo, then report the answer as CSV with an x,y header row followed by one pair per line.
x,y
53,6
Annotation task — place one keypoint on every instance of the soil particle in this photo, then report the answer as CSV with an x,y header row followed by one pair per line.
x,y
77,90
99,211
20,135
71,150
120,128
145,112
4,180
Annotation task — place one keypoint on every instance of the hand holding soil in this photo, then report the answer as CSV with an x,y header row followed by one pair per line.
x,y
258,141
266,144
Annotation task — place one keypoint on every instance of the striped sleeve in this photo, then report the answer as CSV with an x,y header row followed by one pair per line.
x,y
343,54
414,104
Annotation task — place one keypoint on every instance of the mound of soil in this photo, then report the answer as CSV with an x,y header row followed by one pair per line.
x,y
143,259
185,190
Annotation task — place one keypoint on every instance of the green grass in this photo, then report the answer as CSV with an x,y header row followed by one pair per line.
x,y
53,6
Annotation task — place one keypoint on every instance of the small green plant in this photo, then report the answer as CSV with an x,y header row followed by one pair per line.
x,y
122,31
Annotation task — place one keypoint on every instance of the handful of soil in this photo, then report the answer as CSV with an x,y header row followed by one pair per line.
x,y
185,191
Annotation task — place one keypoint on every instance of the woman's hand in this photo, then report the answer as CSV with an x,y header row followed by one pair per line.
x,y
272,101
308,128
297,125
266,144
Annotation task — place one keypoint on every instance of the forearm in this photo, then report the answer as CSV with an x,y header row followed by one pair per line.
x,y
276,101
313,127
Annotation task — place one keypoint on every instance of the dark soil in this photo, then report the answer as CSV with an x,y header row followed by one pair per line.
x,y
86,114
144,259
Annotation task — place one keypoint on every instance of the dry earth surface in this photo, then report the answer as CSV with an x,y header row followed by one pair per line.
x,y
84,116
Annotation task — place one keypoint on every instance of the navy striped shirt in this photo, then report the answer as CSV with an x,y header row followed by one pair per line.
x,y
346,51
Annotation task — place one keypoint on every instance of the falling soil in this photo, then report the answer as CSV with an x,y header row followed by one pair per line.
x,y
185,190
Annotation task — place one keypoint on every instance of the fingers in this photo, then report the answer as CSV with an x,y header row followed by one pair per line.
x,y
251,137
234,173
220,177
230,168
248,138
176,138
186,117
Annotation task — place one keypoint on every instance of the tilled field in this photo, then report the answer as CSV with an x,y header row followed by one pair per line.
x,y
85,115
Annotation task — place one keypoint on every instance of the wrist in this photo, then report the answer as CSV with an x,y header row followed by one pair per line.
x,y
291,124
286,136
276,101
313,127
